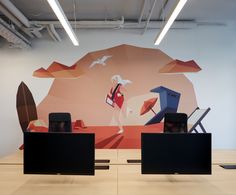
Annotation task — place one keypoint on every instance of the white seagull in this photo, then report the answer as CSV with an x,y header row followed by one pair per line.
x,y
100,61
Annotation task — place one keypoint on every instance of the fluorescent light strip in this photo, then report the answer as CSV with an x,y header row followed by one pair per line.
x,y
170,21
63,19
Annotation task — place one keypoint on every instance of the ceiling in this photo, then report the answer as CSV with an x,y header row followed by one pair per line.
x,y
130,9
145,14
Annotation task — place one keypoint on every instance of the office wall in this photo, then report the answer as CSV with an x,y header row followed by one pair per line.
x,y
213,48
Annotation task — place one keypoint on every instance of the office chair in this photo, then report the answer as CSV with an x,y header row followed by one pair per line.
x,y
195,120
175,123
59,122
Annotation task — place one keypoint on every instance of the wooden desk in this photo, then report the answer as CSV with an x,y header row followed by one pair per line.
x,y
120,156
121,178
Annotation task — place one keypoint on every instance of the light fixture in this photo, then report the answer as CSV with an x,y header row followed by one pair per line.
x,y
63,19
170,20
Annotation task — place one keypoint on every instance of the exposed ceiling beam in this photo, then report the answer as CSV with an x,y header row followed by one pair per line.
x,y
149,16
158,25
14,20
16,12
167,4
142,11
53,33
12,36
179,24
85,24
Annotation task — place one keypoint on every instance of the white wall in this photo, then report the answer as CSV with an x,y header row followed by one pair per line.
x,y
213,48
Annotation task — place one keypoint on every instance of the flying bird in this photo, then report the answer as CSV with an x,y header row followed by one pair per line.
x,y
100,61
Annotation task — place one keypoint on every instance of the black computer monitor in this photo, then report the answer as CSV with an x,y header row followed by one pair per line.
x,y
176,153
59,153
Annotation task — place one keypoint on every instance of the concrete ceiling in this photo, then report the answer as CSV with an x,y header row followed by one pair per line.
x,y
204,10
144,14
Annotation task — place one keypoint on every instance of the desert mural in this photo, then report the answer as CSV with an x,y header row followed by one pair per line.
x,y
119,92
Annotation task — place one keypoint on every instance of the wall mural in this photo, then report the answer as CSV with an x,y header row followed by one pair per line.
x,y
117,93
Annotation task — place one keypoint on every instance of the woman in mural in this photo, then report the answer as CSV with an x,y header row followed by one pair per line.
x,y
117,94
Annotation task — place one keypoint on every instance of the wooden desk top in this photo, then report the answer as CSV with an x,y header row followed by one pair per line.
x,y
120,156
120,179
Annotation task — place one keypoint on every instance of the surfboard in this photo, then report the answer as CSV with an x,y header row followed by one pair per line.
x,y
25,106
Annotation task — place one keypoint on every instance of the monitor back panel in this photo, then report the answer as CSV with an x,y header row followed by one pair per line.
x,y
176,153
59,153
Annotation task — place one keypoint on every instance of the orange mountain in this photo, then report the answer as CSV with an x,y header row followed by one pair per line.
x,y
56,66
58,70
42,73
178,66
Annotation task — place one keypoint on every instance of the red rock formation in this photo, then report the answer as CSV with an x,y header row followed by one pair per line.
x,y
57,70
178,66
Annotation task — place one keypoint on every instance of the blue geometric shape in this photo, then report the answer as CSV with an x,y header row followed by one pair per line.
x,y
169,101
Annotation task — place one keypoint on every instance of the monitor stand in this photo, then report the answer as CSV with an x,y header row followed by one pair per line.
x,y
228,166
102,167
102,164
133,161
102,161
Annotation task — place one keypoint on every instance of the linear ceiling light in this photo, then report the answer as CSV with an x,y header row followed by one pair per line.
x,y
64,21
170,21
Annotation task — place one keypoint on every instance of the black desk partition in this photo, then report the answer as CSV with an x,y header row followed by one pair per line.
x,y
59,153
176,153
